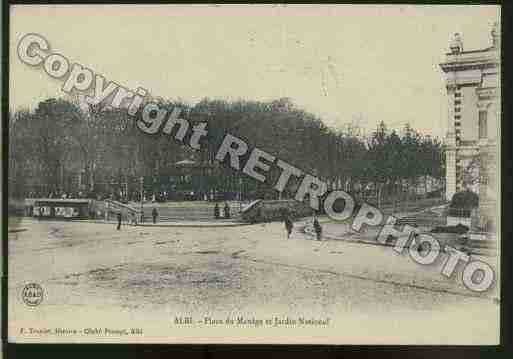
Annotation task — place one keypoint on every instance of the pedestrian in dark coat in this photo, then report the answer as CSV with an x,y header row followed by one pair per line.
x,y
154,215
317,229
226,211
216,211
119,221
416,239
288,226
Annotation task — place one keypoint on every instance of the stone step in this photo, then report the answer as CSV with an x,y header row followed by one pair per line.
x,y
184,210
424,218
175,212
209,219
419,222
195,214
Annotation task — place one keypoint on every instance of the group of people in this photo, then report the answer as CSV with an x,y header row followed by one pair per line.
x,y
289,225
154,216
226,211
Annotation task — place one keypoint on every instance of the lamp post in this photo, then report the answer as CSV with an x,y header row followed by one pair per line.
x,y
240,193
141,209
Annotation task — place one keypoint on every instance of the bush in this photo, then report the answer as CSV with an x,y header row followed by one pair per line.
x,y
466,199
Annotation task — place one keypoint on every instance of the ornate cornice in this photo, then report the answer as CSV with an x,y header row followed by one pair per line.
x,y
461,66
486,92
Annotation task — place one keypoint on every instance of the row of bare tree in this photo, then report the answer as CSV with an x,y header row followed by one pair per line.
x,y
56,141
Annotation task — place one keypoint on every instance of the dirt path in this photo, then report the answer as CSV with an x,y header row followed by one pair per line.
x,y
147,277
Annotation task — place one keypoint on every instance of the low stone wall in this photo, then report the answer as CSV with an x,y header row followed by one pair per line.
x,y
274,210
16,207
453,221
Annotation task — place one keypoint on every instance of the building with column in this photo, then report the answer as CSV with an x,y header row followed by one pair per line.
x,y
473,92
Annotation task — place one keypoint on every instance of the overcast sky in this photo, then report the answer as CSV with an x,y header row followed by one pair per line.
x,y
342,62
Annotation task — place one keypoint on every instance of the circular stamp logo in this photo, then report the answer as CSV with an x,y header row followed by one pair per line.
x,y
32,294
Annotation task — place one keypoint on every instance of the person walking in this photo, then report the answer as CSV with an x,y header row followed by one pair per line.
x,y
259,215
119,221
416,242
216,211
134,219
226,210
317,228
288,225
154,215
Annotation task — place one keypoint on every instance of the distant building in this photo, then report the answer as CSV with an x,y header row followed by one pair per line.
x,y
473,89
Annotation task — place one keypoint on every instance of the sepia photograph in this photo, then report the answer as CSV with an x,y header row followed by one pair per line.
x,y
253,174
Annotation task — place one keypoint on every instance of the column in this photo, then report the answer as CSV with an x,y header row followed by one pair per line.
x,y
450,173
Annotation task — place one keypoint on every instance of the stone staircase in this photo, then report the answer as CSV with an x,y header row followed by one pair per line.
x,y
168,211
422,219
109,208
200,211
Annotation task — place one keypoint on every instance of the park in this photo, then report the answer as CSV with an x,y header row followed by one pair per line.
x,y
282,190
197,232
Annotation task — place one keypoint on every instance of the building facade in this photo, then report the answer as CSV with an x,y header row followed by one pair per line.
x,y
473,92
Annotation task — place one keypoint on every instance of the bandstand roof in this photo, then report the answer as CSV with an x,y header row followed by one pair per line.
x,y
185,163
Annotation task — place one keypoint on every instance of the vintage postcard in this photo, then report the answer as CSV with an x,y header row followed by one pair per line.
x,y
314,174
